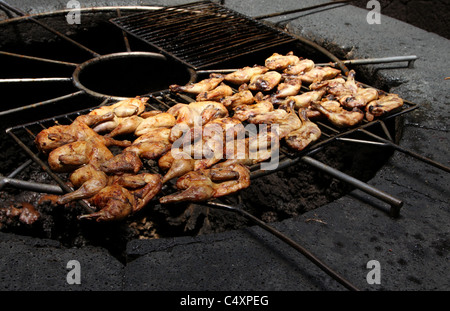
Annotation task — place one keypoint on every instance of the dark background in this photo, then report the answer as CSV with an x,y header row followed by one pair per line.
x,y
433,16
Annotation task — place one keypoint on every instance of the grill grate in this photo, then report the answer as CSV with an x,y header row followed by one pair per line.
x,y
201,34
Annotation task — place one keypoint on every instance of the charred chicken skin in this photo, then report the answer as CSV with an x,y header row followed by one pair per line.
x,y
204,85
281,62
245,74
197,186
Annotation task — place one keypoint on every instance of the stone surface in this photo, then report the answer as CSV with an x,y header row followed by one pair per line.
x,y
413,249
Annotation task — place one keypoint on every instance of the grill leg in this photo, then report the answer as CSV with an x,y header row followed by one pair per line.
x,y
395,203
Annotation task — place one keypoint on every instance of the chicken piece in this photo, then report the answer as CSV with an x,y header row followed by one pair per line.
x,y
251,150
160,120
127,161
307,133
144,187
176,163
59,135
337,87
242,97
281,62
384,104
329,103
88,180
243,112
359,100
289,87
244,75
300,67
123,108
115,203
216,94
286,121
303,100
319,74
194,114
342,117
265,82
71,156
124,197
204,85
197,186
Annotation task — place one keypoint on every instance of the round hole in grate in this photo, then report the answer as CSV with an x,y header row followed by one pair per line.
x,y
127,74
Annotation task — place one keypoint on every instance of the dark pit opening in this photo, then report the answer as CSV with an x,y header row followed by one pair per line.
x,y
285,194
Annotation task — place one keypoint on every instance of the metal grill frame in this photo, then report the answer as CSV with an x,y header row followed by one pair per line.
x,y
240,35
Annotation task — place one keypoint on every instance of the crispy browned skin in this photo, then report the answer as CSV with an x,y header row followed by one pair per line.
x,y
384,104
280,62
244,75
243,112
319,74
289,87
196,186
307,133
204,85
242,97
265,82
88,180
216,94
300,67
71,156
341,118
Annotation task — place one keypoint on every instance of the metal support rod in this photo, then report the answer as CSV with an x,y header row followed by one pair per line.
x,y
408,152
20,80
300,10
18,12
27,185
288,241
395,203
360,141
46,60
50,101
366,61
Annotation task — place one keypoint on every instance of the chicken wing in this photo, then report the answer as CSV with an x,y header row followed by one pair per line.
x,y
307,133
242,97
319,74
243,112
281,62
300,67
265,82
341,117
202,86
197,186
289,87
384,104
244,75
216,94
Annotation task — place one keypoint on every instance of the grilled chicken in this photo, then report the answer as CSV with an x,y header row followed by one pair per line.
x,y
308,132
329,103
281,62
300,67
88,180
289,87
128,161
243,112
160,120
242,97
125,196
204,85
74,155
384,104
341,118
59,135
360,99
286,121
194,114
319,74
123,108
304,100
216,94
244,75
197,186
265,82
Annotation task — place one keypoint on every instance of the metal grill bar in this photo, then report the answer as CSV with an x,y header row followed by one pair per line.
x,y
189,32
